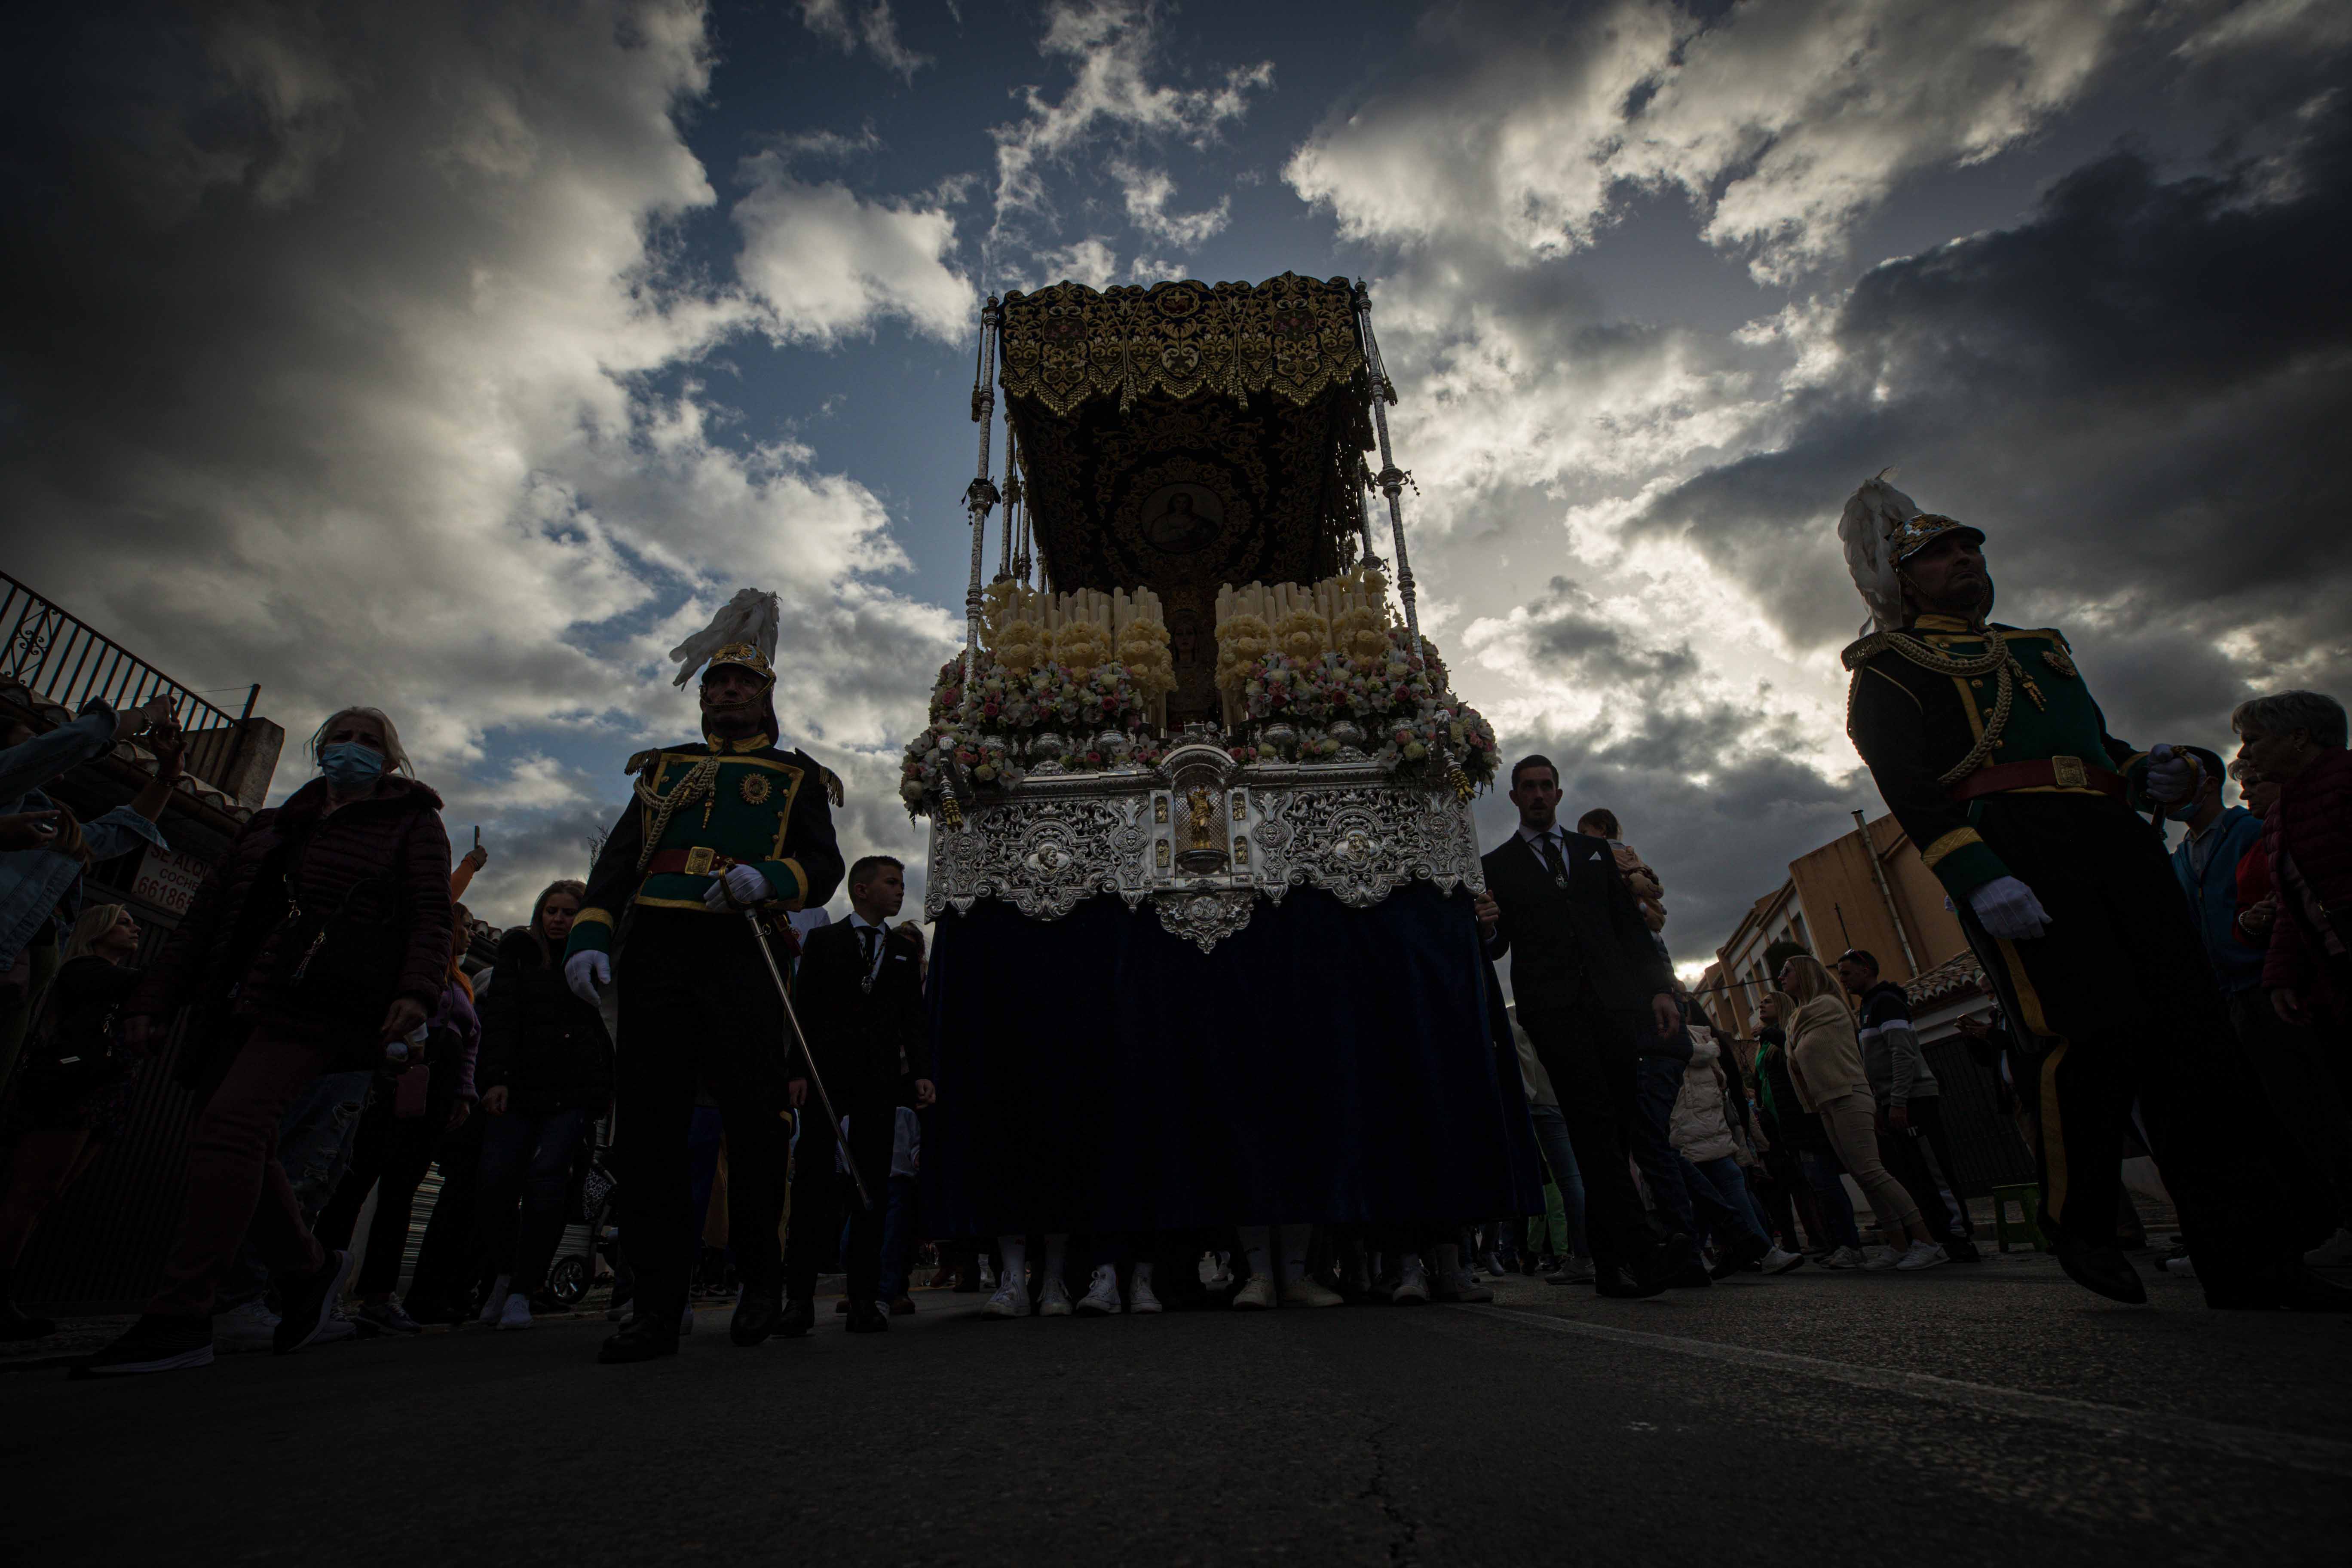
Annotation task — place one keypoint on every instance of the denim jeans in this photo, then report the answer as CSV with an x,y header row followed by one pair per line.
x,y
1559,1158
898,1237
314,1148
529,1157
1730,1185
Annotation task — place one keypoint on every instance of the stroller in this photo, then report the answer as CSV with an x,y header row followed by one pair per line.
x,y
589,1236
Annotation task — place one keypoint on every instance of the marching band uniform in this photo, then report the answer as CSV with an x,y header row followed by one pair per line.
x,y
1994,757
698,1007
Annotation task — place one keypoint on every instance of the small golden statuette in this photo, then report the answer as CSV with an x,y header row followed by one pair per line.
x,y
950,812
1203,806
1463,788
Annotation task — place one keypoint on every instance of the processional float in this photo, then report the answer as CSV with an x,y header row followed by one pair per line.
x,y
1201,856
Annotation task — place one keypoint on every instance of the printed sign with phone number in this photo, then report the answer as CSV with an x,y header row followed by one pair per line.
x,y
168,880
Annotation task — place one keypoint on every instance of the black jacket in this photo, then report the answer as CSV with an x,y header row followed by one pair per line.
x,y
1559,938
543,1045
857,1034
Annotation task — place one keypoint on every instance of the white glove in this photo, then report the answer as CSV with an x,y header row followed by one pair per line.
x,y
2172,777
2008,909
741,885
584,972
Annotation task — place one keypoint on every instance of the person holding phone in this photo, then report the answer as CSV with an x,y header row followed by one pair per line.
x,y
45,850
322,938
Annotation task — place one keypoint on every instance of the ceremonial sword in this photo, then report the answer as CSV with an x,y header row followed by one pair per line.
x,y
784,995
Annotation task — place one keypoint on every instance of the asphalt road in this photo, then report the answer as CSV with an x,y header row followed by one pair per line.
x,y
1977,1415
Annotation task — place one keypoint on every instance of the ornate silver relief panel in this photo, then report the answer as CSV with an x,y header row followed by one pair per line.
x,y
1202,837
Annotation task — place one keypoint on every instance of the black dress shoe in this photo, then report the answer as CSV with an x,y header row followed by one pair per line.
x,y
1668,1264
799,1317
639,1340
758,1315
865,1318
2105,1270
1960,1249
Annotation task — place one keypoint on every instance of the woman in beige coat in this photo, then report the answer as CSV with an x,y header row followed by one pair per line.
x,y
1825,1064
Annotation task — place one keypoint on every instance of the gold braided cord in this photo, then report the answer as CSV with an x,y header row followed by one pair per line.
x,y
1996,661
691,788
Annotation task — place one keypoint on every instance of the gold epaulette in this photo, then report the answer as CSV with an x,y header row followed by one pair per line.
x,y
1862,650
642,760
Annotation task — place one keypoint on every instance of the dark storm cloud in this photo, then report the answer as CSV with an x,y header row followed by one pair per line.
x,y
2140,394
1569,634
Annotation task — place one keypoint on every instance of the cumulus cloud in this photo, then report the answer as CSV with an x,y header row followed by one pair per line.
x,y
354,359
827,261
1525,128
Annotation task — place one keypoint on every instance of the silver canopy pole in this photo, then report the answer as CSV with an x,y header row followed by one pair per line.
x,y
1391,480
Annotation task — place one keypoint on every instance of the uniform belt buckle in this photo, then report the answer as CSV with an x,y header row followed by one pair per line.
x,y
2067,771
699,860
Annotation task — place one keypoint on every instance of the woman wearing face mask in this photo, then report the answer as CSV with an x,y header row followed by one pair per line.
x,y
317,944
74,1095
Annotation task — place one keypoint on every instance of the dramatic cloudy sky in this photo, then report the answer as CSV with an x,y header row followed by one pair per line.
x,y
455,357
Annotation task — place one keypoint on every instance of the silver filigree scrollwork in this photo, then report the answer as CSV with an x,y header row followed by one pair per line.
x,y
1351,829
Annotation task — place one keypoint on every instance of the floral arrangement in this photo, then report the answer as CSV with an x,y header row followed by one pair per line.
x,y
1449,727
924,769
1400,698
1080,647
1302,635
1242,641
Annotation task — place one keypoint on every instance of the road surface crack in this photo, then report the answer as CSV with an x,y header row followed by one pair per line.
x,y
1404,1530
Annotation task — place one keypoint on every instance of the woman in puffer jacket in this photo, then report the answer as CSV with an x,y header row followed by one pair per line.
x,y
1700,1128
546,1073
319,940
1825,1064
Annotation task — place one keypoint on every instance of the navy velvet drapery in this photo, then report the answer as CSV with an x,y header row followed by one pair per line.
x,y
1322,1065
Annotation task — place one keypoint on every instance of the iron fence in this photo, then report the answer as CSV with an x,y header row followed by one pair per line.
x,y
61,657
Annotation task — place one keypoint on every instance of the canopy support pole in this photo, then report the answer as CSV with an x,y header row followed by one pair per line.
x,y
1390,478
980,496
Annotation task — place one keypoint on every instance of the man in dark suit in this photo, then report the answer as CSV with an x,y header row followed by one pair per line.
x,y
859,993
1588,981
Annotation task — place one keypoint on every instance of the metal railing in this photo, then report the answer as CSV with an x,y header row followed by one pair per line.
x,y
62,660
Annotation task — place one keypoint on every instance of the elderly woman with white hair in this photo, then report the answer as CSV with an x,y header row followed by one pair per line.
x,y
317,945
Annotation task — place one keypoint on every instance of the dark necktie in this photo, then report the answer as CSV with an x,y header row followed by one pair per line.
x,y
1551,858
871,938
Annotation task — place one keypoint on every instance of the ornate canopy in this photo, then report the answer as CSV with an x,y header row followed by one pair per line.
x,y
1186,434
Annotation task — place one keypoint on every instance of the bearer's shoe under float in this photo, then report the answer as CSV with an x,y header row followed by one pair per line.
x,y
799,1317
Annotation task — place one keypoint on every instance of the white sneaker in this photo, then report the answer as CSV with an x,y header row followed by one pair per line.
x,y
987,1275
1054,1300
1101,1299
252,1327
1843,1257
1255,1296
1879,1258
686,1322
495,1306
1011,1300
1139,1297
1923,1254
1215,1275
516,1314
1412,1288
1781,1260
1303,1292
2333,1253
1575,1271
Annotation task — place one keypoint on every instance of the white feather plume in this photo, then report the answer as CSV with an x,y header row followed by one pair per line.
x,y
750,617
1873,513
